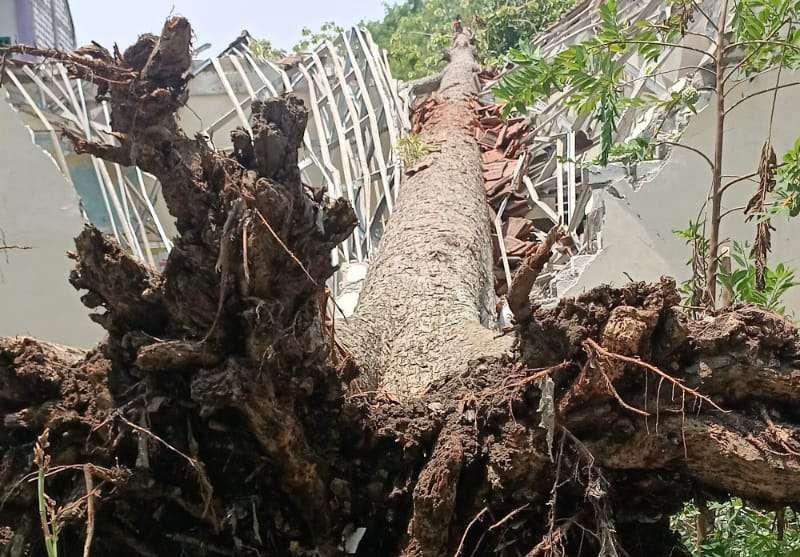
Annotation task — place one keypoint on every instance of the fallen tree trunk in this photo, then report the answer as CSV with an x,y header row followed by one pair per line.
x,y
427,306
216,418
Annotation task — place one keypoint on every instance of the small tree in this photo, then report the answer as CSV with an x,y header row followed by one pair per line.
x,y
591,76
264,48
328,31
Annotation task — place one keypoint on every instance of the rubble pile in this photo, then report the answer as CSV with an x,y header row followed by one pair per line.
x,y
501,143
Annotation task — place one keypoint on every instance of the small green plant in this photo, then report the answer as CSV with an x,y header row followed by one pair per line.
x,y
741,282
411,149
694,288
48,513
262,48
739,531
634,150
787,191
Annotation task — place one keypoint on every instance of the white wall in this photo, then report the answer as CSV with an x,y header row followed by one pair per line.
x,y
38,208
637,232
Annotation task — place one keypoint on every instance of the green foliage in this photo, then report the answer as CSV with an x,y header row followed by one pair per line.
x,y
788,187
685,97
534,78
49,518
590,77
742,281
262,48
411,148
47,514
418,32
590,73
328,31
593,76
501,25
692,233
767,33
692,289
740,531
634,150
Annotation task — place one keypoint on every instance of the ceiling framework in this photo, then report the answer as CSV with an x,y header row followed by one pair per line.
x,y
356,117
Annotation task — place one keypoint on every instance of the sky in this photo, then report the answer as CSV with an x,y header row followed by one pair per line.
x,y
217,22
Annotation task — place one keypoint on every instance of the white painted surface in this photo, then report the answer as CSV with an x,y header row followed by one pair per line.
x,y
38,208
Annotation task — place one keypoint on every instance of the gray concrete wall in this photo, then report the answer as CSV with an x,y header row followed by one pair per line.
x,y
637,233
38,208
8,19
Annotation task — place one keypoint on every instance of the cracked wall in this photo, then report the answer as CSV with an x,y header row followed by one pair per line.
x,y
637,228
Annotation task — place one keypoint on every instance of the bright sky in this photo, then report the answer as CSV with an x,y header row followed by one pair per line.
x,y
217,22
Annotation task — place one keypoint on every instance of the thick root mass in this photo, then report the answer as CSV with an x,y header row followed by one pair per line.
x,y
636,411
215,419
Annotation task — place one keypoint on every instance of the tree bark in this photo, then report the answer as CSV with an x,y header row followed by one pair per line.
x,y
716,180
428,305
215,419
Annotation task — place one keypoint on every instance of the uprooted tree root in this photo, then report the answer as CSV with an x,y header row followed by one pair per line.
x,y
215,418
470,466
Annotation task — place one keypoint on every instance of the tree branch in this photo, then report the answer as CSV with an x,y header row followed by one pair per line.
x,y
4,247
708,18
749,79
95,65
665,72
739,179
757,93
701,35
752,54
763,42
731,211
689,148
8,247
659,43
522,283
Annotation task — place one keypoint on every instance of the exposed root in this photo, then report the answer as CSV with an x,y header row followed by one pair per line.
x,y
553,542
478,518
206,489
287,250
435,495
90,510
597,349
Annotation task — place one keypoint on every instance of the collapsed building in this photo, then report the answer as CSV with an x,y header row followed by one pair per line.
x,y
621,217
538,169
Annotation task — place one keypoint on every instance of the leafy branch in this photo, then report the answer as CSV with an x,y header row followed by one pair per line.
x,y
591,78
